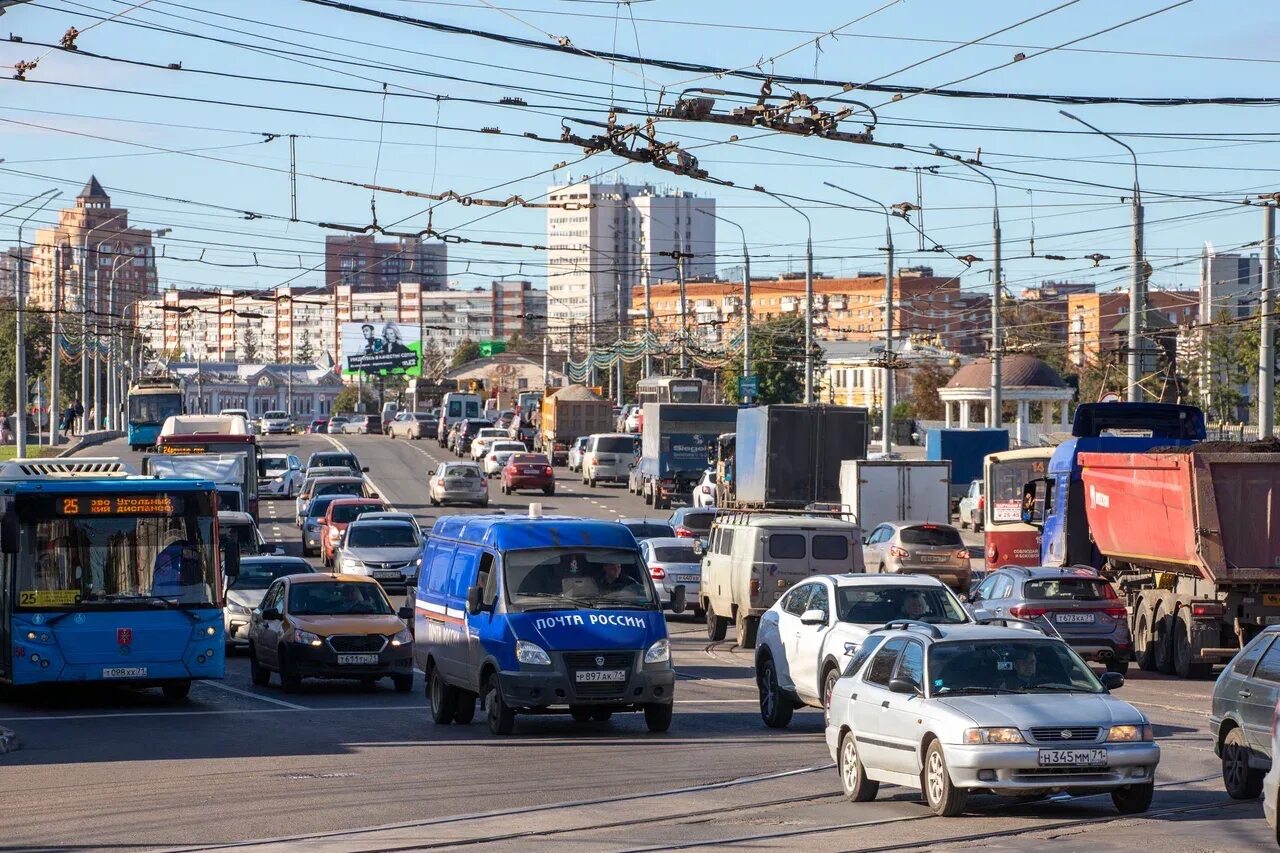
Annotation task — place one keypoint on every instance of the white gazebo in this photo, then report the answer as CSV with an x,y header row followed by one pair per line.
x,y
1024,380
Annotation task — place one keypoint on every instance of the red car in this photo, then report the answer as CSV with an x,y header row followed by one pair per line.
x,y
529,471
340,513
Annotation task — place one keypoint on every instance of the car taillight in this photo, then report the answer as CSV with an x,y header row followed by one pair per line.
x,y
657,572
706,490
900,553
755,587
1116,612
549,471
684,532
962,554
1025,611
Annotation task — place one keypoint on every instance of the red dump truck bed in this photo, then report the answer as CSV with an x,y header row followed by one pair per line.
x,y
1202,513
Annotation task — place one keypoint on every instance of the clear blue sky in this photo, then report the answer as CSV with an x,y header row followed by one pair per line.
x,y
64,133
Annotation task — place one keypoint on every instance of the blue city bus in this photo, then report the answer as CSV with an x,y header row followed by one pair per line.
x,y
109,577
151,400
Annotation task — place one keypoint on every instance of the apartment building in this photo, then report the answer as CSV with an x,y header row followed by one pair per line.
x,y
362,262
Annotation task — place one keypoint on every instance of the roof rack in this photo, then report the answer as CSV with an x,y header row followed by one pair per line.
x,y
84,467
840,512
1010,622
912,625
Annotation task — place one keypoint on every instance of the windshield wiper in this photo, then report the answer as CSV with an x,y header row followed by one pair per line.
x,y
578,602
956,691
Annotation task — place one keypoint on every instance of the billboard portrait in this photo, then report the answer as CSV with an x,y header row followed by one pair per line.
x,y
381,349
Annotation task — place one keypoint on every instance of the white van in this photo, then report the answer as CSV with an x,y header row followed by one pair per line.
x,y
454,407
752,559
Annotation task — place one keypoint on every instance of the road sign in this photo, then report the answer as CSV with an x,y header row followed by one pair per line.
x,y
492,348
748,386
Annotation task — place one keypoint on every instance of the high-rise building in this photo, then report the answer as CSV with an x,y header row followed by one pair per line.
x,y
1229,283
99,253
15,269
630,234
362,262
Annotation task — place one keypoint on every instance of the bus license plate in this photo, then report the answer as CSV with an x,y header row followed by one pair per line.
x,y
601,675
357,659
1060,757
125,672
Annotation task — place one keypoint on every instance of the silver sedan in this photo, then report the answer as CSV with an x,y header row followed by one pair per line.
x,y
459,483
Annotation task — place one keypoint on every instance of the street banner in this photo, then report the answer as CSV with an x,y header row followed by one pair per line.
x,y
381,349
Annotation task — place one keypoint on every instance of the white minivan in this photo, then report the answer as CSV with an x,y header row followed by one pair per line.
x,y
454,407
608,457
752,559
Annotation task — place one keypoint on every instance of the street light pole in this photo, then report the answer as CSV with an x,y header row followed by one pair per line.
x,y
85,359
746,297
808,295
886,408
995,418
1266,332
1137,284
113,329
20,354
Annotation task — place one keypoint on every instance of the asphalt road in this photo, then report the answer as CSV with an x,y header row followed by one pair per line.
x,y
336,767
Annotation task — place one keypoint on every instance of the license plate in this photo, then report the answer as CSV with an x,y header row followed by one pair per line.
x,y
455,484
386,576
1074,617
686,578
529,470
601,675
932,558
1059,757
357,659
125,672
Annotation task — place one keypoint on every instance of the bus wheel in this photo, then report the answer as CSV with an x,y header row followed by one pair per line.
x,y
176,691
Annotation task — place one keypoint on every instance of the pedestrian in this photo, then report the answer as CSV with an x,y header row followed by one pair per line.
x,y
4,427
77,413
90,423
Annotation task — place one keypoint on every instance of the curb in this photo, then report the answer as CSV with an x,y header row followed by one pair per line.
x,y
8,740
99,437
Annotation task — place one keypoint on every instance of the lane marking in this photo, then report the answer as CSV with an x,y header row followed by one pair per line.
x,y
239,692
381,492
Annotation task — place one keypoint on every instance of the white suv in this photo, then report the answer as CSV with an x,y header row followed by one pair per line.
x,y
807,638
608,457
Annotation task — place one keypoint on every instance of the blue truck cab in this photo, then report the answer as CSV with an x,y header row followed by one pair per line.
x,y
1101,428
539,615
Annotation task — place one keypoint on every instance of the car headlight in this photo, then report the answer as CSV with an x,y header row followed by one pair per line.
x,y
659,652
417,563
350,565
403,638
1130,734
993,735
532,653
278,480
334,534
306,638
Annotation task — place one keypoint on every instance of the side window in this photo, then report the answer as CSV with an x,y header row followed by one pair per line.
x,y
1244,662
786,546
1268,668
463,572
1004,588
881,669
984,589
828,547
798,600
869,645
820,600
880,534
268,600
438,571
911,664
487,580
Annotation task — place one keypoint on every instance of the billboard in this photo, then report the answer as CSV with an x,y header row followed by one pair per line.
x,y
381,349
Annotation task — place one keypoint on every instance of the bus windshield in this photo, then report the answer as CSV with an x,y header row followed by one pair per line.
x,y
147,409
687,391
559,579
118,560
1004,487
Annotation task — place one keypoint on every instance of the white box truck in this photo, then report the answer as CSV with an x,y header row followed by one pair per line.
x,y
225,470
876,491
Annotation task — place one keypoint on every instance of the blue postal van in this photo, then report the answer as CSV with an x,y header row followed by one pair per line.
x,y
539,615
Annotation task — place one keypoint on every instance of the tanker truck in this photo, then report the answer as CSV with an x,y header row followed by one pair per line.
x,y
1185,529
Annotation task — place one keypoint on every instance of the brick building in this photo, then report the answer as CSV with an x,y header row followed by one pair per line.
x,y
362,262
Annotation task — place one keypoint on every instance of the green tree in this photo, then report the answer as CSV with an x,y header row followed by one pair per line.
x,y
36,344
249,346
922,397
468,350
349,396
305,351
777,360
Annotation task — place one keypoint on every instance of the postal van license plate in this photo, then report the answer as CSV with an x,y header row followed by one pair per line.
x,y
357,659
601,675
1073,757
125,672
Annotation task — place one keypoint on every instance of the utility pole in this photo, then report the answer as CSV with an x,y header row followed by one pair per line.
x,y
746,297
648,315
546,355
617,341
55,356
1266,337
20,354
684,309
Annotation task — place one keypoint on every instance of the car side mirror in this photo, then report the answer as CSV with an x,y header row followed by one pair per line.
x,y
1112,680
9,530
279,551
864,541
364,470
678,600
405,612
271,615
698,548
906,686
475,603
980,614
813,617
231,561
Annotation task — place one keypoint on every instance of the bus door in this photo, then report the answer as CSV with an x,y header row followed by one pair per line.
x,y
1008,541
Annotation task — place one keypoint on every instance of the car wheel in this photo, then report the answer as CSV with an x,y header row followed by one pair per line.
x,y
747,626
580,713
775,709
1241,781
657,716
717,626
443,698
853,776
549,490
1133,799
258,674
403,683
290,680
964,525
592,482
176,691
601,714
828,685
1143,643
464,710
502,720
1185,664
943,797
1162,638
435,502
